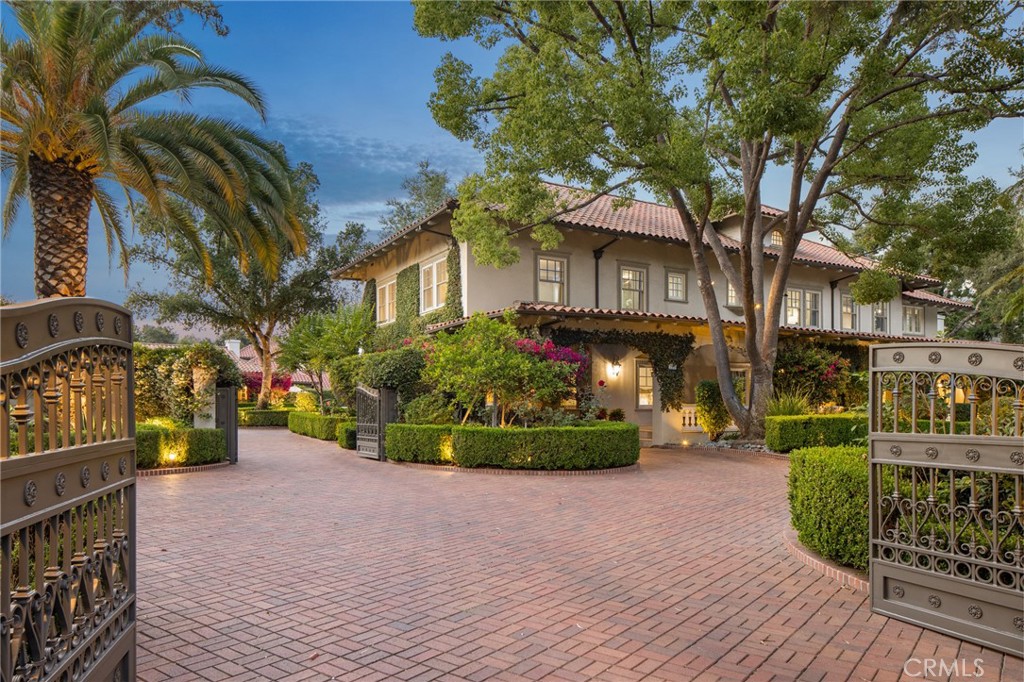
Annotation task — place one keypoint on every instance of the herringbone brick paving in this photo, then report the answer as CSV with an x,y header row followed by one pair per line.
x,y
305,562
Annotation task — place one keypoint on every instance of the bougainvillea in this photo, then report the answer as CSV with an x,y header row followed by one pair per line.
x,y
821,374
549,351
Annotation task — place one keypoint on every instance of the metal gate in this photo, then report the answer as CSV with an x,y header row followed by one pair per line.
x,y
227,419
375,409
947,489
67,492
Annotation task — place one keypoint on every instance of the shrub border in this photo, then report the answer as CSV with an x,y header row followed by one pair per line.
x,y
628,469
845,576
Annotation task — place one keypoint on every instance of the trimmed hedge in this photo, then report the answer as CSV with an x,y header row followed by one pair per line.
x,y
783,434
428,443
321,426
347,435
191,447
828,502
248,416
600,446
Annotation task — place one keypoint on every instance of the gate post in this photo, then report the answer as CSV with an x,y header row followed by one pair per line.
x,y
227,419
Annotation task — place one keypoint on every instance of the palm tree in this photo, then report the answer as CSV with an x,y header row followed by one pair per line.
x,y
79,121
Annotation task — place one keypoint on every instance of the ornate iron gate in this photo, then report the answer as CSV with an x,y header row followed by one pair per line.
x,y
947,489
67,492
375,409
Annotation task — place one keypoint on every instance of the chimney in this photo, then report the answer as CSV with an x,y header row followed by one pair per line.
x,y
234,346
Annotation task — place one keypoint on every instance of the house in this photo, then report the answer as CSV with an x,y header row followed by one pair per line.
x,y
248,363
630,268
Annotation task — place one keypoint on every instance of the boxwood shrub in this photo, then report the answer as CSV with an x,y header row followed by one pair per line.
x,y
429,443
783,434
248,416
191,447
828,502
321,426
347,435
601,446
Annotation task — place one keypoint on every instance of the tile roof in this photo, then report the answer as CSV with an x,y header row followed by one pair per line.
x,y
929,297
533,308
248,363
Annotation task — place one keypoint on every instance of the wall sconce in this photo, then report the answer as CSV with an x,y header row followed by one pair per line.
x,y
614,369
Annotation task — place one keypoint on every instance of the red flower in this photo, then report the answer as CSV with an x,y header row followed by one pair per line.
x,y
600,383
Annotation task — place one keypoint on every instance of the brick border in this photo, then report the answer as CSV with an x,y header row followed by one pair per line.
x,y
631,468
846,577
181,470
753,453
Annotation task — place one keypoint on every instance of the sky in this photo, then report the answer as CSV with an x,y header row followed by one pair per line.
x,y
347,85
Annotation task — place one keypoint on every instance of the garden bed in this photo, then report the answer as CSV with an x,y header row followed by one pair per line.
x,y
603,445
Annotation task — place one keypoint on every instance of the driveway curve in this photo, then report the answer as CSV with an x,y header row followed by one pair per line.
x,y
305,562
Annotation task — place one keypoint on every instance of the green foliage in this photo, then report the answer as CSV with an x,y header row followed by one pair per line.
x,y
712,416
320,426
602,446
431,408
306,402
783,434
427,191
165,379
667,353
821,374
159,446
788,404
399,369
154,334
248,416
828,502
617,415
427,443
875,286
347,433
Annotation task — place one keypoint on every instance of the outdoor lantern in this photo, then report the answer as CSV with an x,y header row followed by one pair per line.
x,y
614,369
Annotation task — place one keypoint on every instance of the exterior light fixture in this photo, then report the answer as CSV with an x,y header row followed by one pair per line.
x,y
360,351
614,369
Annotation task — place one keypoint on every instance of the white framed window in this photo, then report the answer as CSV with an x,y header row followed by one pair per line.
x,y
880,317
940,323
386,302
913,319
731,296
552,278
776,238
675,285
433,284
803,308
632,287
644,384
741,383
848,312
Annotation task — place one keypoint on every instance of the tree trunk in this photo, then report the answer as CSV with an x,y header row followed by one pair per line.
x,y
266,362
61,197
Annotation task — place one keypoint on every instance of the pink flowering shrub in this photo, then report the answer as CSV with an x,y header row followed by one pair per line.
x,y
547,350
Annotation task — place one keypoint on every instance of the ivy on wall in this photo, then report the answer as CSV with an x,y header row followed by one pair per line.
x,y
667,353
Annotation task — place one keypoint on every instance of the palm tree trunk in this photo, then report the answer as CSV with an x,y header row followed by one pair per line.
x,y
61,198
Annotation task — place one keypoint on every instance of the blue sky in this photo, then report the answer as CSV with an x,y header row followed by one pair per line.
x,y
347,85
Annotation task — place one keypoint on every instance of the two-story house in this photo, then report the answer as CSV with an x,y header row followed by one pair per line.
x,y
630,268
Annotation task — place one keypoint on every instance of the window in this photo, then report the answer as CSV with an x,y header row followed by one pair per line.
x,y
386,302
776,238
940,323
739,382
803,308
848,312
731,298
913,319
644,384
675,285
880,315
433,284
632,288
551,279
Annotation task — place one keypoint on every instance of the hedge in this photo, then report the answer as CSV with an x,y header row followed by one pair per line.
x,y
601,446
190,447
429,443
248,416
828,502
783,434
321,426
347,435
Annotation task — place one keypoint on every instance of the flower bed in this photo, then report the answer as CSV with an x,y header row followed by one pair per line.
x,y
160,446
250,416
597,446
783,434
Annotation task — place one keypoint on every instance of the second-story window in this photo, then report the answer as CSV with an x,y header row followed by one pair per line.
x,y
433,284
880,317
848,310
675,285
551,279
803,308
812,309
794,301
632,288
776,238
913,319
731,297
386,302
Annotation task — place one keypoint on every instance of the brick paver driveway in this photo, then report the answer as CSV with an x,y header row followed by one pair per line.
x,y
306,562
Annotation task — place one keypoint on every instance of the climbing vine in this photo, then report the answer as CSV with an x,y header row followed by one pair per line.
x,y
667,353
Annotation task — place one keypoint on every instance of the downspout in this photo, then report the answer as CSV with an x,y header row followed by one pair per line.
x,y
832,305
598,252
